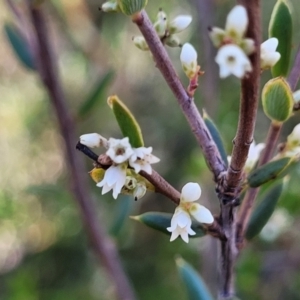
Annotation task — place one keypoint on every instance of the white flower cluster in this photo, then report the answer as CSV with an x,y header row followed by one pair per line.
x,y
181,221
253,156
234,48
122,155
167,31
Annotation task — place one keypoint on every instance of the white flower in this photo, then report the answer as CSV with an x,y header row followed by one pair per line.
x,y
293,140
181,221
268,55
232,60
191,192
237,22
93,140
141,159
188,58
253,155
180,23
181,225
114,179
119,150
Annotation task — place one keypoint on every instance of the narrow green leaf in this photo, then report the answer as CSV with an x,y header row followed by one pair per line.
x,y
264,211
268,172
277,100
161,221
20,46
216,136
127,123
123,208
194,284
281,27
96,95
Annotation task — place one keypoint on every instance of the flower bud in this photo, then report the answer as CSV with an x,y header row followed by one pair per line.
x,y
173,41
268,55
110,6
180,23
296,96
188,58
140,43
237,22
216,35
93,140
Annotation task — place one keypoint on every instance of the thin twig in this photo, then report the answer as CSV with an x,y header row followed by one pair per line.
x,y
242,141
103,246
271,142
186,103
160,184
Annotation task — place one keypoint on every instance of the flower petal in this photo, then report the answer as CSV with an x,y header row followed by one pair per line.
x,y
237,22
201,213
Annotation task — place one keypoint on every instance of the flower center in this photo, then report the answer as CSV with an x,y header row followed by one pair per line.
x,y
120,151
231,59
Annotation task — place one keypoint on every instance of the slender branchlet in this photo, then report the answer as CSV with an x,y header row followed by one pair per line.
x,y
186,103
103,246
267,154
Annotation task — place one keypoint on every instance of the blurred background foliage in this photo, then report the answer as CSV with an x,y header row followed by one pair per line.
x,y
44,253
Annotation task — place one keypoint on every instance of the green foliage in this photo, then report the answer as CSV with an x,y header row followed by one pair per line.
x,y
160,221
20,46
128,124
277,100
216,136
122,211
94,98
194,284
130,7
281,27
264,210
270,171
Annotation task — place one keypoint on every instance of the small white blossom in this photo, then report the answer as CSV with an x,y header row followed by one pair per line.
x,y
268,55
294,137
114,179
237,22
141,159
181,225
253,155
180,23
93,140
139,191
119,150
232,60
188,58
181,221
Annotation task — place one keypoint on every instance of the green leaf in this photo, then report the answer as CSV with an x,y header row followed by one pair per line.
x,y
194,284
127,123
268,172
123,208
277,100
20,46
130,7
281,27
264,211
216,136
160,221
96,95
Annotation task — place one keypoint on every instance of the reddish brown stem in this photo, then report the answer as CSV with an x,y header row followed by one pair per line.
x,y
103,246
186,103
